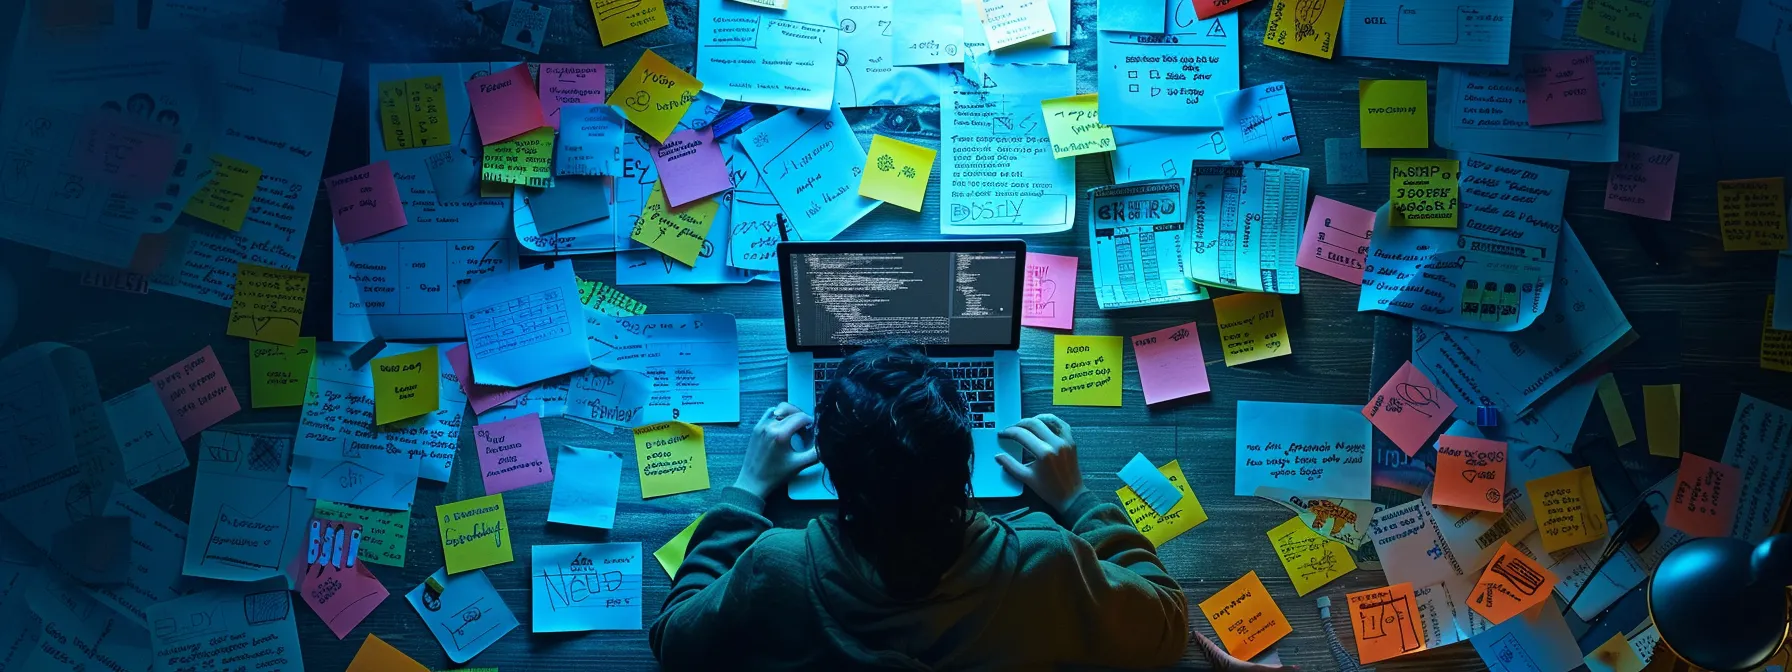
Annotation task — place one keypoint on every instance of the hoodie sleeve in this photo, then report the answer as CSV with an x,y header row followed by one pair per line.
x,y
1133,613
698,617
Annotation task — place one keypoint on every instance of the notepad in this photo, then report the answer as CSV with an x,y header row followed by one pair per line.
x,y
1153,487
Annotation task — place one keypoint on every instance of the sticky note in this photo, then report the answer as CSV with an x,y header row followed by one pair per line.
x,y
671,459
690,166
482,397
342,592
505,104
1393,113
1149,484
475,533
671,555
1162,527
1613,401
1318,450
1171,365
1048,292
384,534
527,26
1752,214
589,499
225,198
378,656
1075,127
1561,87
1252,327
1345,161
1618,23
414,113
1642,182
1258,124
608,300
655,94
1311,560
1086,370
1210,8
1010,22
1567,508
678,234
1385,622
268,304
196,393
577,587
1424,192
464,612
1661,419
618,20
1305,26
563,84
1776,344
1336,239
527,159
1615,655
1704,498
512,454
365,202
1246,617
1512,584
279,374
1471,473
406,386
1409,409
896,172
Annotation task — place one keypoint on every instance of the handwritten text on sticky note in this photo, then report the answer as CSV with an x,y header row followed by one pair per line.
x,y
1393,113
1511,584
1246,617
678,234
1471,473
512,453
1752,214
671,458
1704,497
268,304
1252,327
1642,181
1074,126
475,533
1567,508
1424,192
1171,365
365,202
896,172
406,385
195,393
225,198
655,95
414,113
1409,408
279,374
1086,370
1311,560
1386,623
1048,298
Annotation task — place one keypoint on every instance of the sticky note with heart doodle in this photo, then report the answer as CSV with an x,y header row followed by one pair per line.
x,y
655,95
1471,473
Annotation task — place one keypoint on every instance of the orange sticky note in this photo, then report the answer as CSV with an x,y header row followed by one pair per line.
x,y
1567,508
1471,473
1705,497
1246,617
1512,584
1386,623
378,656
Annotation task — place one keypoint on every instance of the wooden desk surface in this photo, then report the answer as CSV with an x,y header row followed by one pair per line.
x,y
1725,112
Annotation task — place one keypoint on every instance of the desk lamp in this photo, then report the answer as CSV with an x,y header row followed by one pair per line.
x,y
1720,604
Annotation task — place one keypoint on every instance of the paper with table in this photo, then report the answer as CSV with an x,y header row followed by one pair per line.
x,y
1467,31
578,587
255,521
1258,123
997,174
463,611
1153,78
524,326
693,360
770,56
1314,449
1244,226
1485,108
1136,248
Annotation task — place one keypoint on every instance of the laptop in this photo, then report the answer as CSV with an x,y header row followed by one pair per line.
x,y
960,299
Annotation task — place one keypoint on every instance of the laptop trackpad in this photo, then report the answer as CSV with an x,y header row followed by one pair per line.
x,y
988,478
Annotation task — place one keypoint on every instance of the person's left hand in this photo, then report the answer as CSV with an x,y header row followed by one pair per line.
x,y
770,460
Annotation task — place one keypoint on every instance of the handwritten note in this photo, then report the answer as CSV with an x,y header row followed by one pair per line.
x,y
1258,123
527,159
1393,113
1075,127
268,305
1336,239
1661,419
1162,527
1171,365
678,234
1471,473
527,27
1642,182
1567,509
1246,617
1752,214
365,202
340,590
1409,409
671,459
196,393
241,484
1311,449
655,95
1512,584
1149,78
463,611
505,104
1086,370
1424,192
690,166
406,386
1010,22
896,172
414,113
1618,23
384,534
671,555
1305,26
475,533
1385,622
579,587
1252,327
225,198
1561,87
608,300
590,141
997,176
1705,496
588,496
565,84
376,655
1311,560
1776,344
1048,297
512,454
253,620
618,20
542,297
811,161
147,445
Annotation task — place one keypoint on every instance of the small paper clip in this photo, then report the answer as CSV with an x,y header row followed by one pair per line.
x,y
1487,416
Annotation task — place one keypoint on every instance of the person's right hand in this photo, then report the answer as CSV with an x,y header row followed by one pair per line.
x,y
1054,474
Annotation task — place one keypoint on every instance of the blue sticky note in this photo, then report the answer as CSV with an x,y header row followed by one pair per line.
x,y
811,160
466,614
1258,123
589,499
579,587
590,140
1538,640
1150,484
1133,16
1149,78
1482,108
522,326
1320,450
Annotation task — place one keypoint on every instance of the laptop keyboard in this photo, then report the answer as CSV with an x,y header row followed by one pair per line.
x,y
976,383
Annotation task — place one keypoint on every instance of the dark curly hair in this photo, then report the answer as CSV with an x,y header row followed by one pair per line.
x,y
895,437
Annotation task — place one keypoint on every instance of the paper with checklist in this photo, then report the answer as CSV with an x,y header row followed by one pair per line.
x,y
524,326
1150,78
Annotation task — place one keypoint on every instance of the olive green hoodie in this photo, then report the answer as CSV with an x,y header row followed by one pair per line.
x,y
1025,594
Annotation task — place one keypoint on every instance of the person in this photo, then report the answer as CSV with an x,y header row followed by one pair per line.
x,y
908,574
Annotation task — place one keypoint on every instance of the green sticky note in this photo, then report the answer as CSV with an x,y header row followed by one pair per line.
x,y
1619,23
384,534
279,374
1622,431
475,533
406,386
224,199
671,556
671,458
1086,370
1393,114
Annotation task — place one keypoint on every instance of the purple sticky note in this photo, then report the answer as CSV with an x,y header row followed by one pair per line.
x,y
1336,240
569,84
364,202
1048,298
1561,87
1170,362
512,454
505,104
690,166
195,393
483,397
1642,182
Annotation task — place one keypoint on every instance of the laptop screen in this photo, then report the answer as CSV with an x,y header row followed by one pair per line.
x,y
930,297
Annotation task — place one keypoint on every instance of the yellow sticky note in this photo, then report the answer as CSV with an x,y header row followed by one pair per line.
x,y
1615,655
671,458
475,533
414,113
1752,214
1086,370
618,20
1252,327
1182,517
655,94
407,385
1424,192
896,172
1246,617
671,556
1661,419
1393,113
1074,126
268,304
1305,26
677,233
1567,508
1619,23
527,159
224,199
1776,345
378,656
1613,401
1311,560
279,374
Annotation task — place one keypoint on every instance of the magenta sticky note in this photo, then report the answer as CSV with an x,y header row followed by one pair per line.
x,y
505,104
483,397
195,393
1170,363
512,454
569,84
1561,87
1408,409
364,202
1642,182
340,588
1048,299
1336,240
690,166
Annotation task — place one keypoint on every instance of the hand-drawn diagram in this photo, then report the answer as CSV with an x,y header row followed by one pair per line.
x,y
1040,293
1384,617
1508,655
469,624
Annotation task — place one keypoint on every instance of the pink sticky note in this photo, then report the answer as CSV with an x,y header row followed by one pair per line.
x,y
1704,498
690,166
1170,362
1336,240
195,393
483,397
512,454
1409,408
339,587
1049,297
1642,182
130,154
505,104
1561,87
364,202
569,84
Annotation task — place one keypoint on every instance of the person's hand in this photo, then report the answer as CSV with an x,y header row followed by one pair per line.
x,y
770,460
1225,662
1054,474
